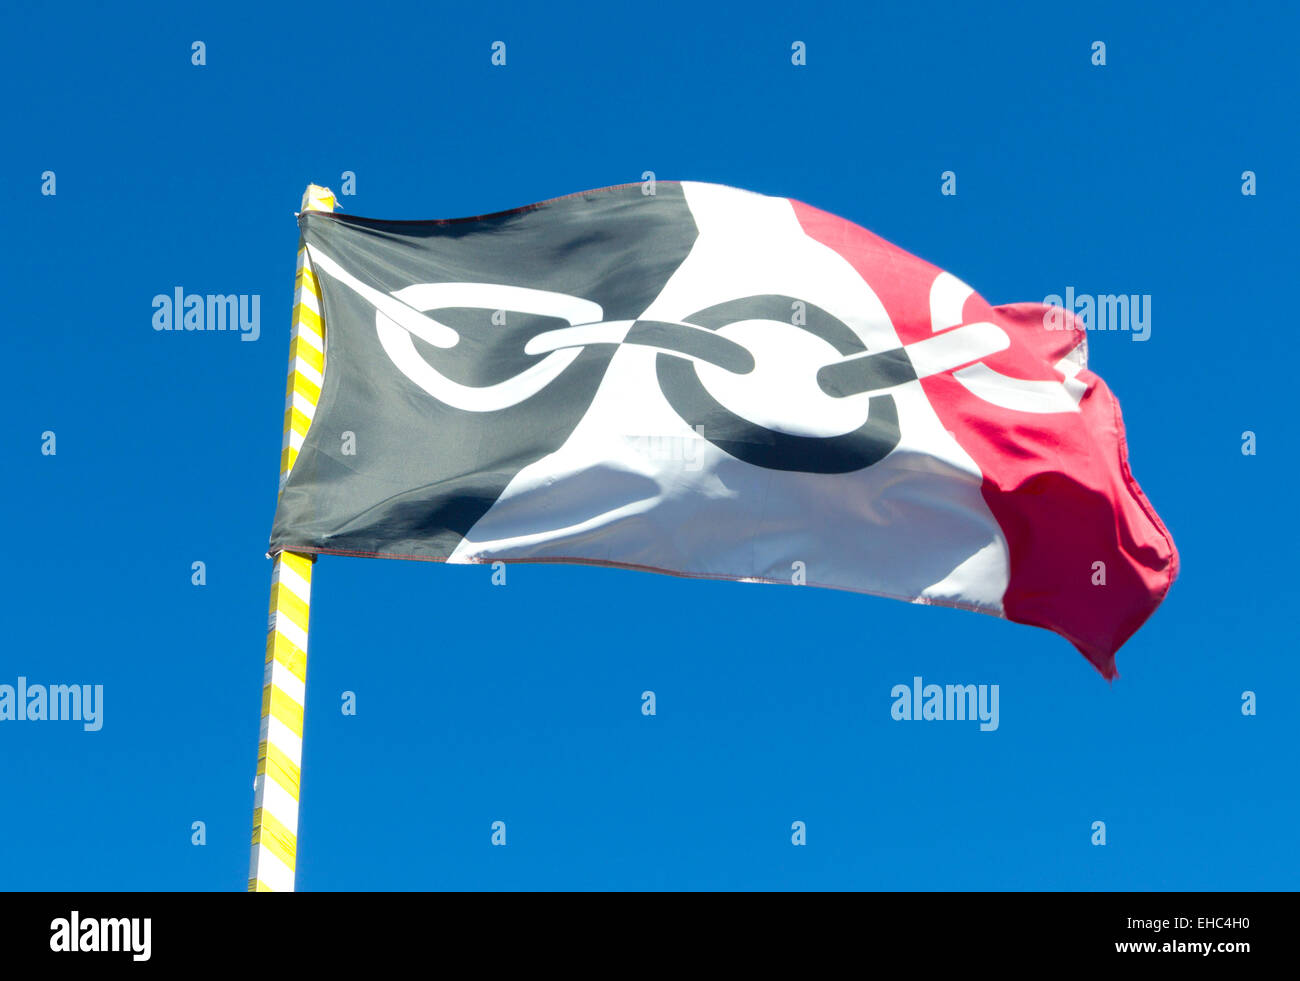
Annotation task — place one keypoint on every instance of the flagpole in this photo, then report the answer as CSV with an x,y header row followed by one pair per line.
x,y
279,750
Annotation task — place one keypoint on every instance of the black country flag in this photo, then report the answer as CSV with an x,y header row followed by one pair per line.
x,y
710,382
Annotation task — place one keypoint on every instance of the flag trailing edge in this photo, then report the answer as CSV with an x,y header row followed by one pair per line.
x,y
714,383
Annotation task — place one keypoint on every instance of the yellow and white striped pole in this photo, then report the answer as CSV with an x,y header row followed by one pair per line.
x,y
279,751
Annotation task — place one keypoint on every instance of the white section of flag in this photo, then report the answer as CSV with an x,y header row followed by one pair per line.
x,y
634,485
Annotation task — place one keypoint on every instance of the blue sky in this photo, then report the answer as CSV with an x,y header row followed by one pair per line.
x,y
479,703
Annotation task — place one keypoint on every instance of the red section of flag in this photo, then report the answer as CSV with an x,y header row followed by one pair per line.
x,y
1057,483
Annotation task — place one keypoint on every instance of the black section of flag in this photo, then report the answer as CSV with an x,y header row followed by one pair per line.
x,y
421,473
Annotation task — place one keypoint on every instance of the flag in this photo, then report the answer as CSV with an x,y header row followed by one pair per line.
x,y
709,382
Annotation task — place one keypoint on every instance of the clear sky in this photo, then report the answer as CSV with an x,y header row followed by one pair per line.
x,y
522,703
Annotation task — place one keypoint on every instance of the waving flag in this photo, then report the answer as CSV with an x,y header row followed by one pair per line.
x,y
714,383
